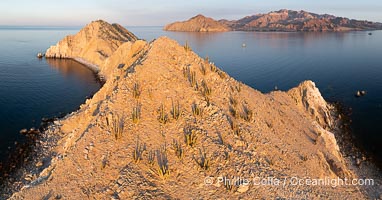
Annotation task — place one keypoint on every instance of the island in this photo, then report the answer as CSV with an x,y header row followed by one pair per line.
x,y
282,20
198,23
168,124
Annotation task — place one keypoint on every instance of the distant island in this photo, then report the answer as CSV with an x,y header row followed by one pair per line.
x,y
282,20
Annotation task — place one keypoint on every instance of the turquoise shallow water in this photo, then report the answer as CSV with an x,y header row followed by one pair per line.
x,y
339,64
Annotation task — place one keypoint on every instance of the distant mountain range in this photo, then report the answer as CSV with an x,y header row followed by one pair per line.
x,y
282,20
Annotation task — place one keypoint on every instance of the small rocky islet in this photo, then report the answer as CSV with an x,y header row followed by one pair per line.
x,y
166,120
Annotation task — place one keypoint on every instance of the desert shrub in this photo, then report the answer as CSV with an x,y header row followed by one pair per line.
x,y
233,101
187,47
136,91
235,127
151,157
163,117
222,74
191,135
117,124
203,161
162,161
136,114
178,149
206,91
203,69
234,112
138,151
175,110
196,110
247,114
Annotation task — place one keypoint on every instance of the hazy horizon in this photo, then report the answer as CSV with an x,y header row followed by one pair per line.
x,y
159,13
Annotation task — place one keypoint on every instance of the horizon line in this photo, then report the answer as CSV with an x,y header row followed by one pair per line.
x,y
176,20
70,26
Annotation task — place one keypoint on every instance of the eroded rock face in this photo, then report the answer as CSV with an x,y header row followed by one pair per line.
x,y
93,44
198,23
240,131
308,97
282,20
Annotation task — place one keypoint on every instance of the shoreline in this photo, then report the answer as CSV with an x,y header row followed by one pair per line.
x,y
346,139
93,67
38,148
38,156
358,161
276,31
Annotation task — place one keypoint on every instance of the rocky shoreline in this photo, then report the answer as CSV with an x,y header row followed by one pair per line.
x,y
357,159
30,157
35,153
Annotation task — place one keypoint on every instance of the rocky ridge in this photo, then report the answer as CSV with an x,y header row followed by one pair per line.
x,y
93,44
166,119
282,20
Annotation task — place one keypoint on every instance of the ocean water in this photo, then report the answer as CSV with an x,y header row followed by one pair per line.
x,y
32,88
339,64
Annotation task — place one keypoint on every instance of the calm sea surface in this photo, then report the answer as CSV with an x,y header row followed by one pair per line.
x,y
31,88
339,64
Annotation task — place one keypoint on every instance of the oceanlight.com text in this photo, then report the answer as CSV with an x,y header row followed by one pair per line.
x,y
292,181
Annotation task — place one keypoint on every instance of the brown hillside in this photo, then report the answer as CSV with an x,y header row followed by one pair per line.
x,y
198,23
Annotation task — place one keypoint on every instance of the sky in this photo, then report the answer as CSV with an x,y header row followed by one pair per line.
x,y
161,12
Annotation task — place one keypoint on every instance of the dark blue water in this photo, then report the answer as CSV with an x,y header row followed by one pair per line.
x,y
32,88
339,64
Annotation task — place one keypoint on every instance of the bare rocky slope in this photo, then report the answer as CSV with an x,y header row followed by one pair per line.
x,y
282,20
93,44
166,119
198,23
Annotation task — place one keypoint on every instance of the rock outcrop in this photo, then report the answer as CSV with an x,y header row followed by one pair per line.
x,y
169,124
198,23
308,98
287,20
